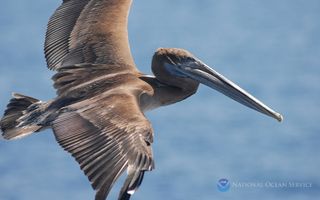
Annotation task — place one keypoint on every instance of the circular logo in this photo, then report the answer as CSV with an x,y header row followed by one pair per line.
x,y
223,185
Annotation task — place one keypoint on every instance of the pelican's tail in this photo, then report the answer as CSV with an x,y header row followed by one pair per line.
x,y
21,117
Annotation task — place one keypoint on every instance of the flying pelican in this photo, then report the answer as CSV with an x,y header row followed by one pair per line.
x,y
98,114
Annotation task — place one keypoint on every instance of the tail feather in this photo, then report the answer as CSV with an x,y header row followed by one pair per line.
x,y
14,123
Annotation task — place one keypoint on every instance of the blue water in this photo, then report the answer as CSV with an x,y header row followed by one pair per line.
x,y
271,48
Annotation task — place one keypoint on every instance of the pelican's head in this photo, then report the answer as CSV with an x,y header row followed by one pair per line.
x,y
178,67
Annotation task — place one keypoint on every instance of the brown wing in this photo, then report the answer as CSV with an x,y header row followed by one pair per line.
x,y
89,31
106,139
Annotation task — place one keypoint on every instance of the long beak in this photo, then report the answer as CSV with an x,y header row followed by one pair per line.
x,y
207,76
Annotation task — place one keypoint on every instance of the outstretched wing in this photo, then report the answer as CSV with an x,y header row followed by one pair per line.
x,y
89,31
106,139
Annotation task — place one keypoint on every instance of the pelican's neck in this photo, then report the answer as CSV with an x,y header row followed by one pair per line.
x,y
163,94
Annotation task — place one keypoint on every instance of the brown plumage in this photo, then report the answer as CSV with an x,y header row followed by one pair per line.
x,y
89,31
98,114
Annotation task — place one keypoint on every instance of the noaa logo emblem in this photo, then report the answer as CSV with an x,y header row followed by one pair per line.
x,y
223,185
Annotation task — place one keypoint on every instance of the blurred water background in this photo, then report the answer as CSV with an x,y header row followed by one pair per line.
x,y
271,48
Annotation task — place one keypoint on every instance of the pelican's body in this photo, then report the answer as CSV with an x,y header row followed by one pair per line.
x,y
98,114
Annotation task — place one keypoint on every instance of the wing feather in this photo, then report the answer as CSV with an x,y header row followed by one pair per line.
x,y
59,29
89,31
95,77
107,139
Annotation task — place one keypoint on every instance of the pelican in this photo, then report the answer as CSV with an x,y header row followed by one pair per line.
x,y
98,114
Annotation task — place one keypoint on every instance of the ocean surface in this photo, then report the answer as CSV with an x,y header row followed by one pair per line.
x,y
270,48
